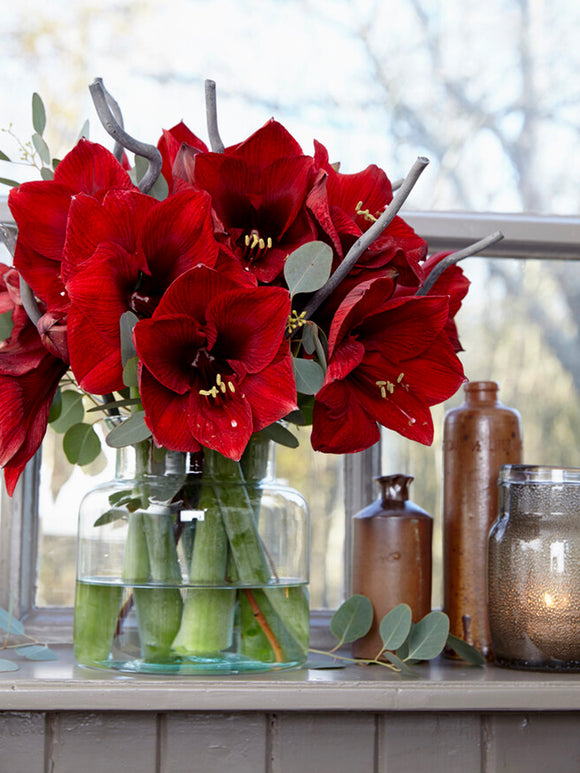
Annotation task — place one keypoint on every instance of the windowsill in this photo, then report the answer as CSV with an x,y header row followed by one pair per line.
x,y
441,686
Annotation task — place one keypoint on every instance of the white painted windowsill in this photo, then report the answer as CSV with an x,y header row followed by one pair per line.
x,y
61,685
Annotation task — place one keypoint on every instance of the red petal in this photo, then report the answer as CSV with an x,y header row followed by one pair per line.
x,y
165,415
91,168
224,425
340,425
95,359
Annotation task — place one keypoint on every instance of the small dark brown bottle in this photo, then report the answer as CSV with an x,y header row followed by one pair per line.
x,y
479,436
391,557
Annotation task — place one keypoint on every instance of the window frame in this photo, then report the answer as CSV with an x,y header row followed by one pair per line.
x,y
545,237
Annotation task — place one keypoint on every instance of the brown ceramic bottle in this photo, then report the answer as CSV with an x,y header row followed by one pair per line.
x,y
391,557
479,436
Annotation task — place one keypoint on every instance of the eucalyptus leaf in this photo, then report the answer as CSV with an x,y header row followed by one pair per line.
x,y
10,624
308,339
3,156
46,173
308,268
81,444
41,148
428,636
72,411
110,516
353,619
279,434
395,626
55,162
308,374
55,406
160,189
465,651
132,430
8,665
399,664
115,404
9,182
6,325
36,652
38,113
85,130
130,372
296,417
127,322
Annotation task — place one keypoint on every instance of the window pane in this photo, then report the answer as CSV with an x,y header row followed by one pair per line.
x,y
518,327
486,91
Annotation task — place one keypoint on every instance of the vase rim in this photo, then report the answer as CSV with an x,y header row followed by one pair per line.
x,y
529,473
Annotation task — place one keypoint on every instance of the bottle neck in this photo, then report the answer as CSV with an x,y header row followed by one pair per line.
x,y
481,393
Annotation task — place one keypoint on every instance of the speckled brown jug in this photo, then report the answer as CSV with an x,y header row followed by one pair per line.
x,y
479,436
391,558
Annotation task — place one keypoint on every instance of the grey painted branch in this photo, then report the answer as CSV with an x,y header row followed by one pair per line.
x,y
368,237
116,131
455,257
211,116
29,302
116,110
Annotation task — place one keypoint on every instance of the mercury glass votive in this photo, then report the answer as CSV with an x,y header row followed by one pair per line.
x,y
534,569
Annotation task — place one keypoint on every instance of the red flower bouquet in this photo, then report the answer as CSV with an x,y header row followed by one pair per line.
x,y
218,297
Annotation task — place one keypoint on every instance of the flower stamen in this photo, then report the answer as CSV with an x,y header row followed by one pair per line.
x,y
220,386
256,246
295,321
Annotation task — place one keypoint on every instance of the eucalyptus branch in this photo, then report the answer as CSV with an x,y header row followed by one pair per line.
x,y
29,302
113,128
455,257
368,237
211,116
116,110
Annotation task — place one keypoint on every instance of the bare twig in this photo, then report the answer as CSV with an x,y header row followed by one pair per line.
x,y
455,257
29,302
116,131
211,115
368,237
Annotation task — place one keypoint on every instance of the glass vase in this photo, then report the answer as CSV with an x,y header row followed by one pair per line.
x,y
192,564
534,569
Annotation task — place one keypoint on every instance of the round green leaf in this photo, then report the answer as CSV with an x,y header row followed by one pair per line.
x,y
55,407
41,148
8,665
36,652
307,269
308,374
6,325
38,113
130,372
279,434
46,173
3,156
71,412
353,619
132,430
428,636
399,664
465,651
395,626
127,322
81,444
10,624
10,183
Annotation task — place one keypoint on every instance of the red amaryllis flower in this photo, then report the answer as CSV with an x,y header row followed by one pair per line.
x,y
29,377
346,205
121,255
215,363
258,189
389,360
40,210
170,144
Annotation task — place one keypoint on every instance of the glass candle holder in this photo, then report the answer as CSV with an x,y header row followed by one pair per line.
x,y
534,569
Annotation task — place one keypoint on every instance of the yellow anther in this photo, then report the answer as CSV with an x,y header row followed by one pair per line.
x,y
247,240
255,240
269,242
223,388
400,378
262,244
231,386
218,379
213,392
365,213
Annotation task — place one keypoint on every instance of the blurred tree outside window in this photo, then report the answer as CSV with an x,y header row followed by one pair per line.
x,y
486,92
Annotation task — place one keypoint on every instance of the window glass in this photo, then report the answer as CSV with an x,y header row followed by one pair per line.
x,y
484,91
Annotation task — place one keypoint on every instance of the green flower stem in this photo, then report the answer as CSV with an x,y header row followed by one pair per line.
x,y
208,614
227,548
151,557
96,612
